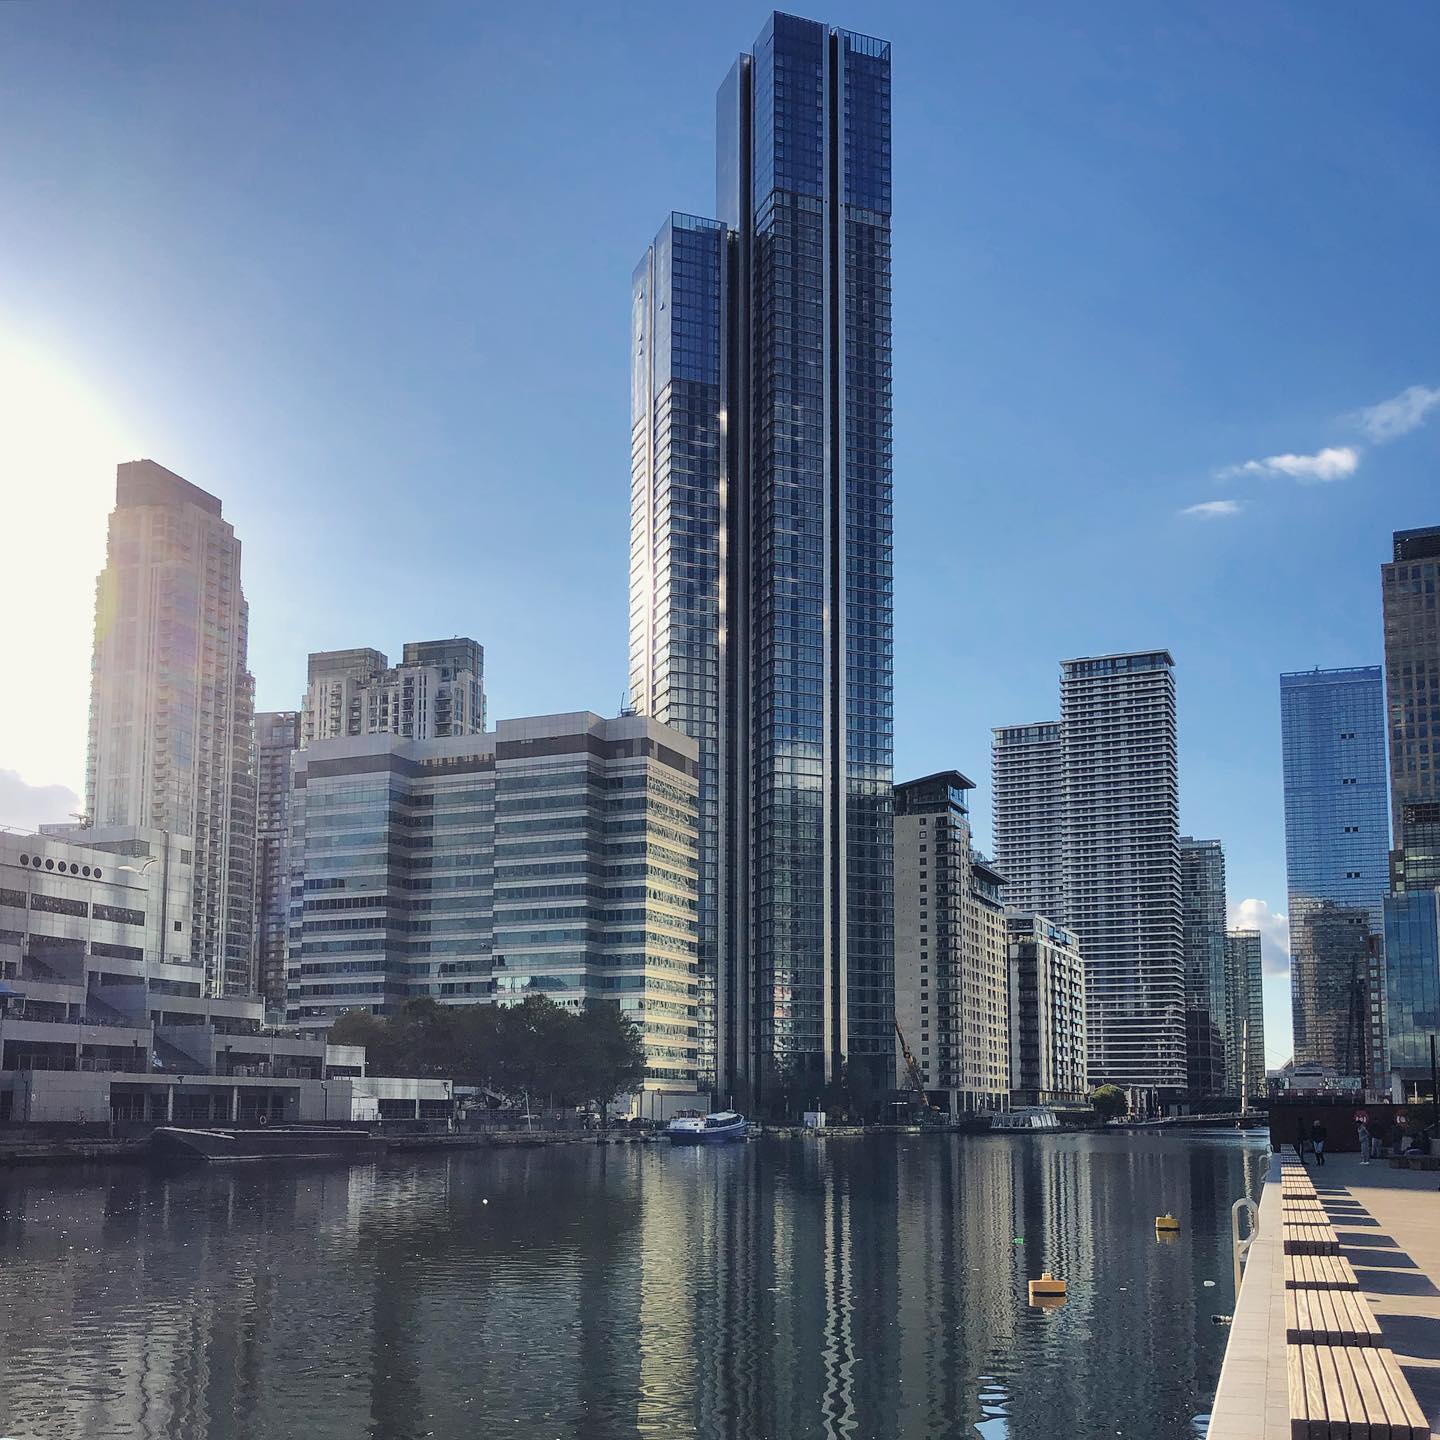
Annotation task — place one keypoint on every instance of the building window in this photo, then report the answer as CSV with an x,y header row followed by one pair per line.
x,y
58,905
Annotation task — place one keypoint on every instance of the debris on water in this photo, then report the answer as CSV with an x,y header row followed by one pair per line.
x,y
1209,1284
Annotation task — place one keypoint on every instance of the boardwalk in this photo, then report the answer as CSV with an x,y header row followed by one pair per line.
x,y
1387,1223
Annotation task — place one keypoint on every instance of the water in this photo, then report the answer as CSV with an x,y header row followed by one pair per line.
x,y
851,1287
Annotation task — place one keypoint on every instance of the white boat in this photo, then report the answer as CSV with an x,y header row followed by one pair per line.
x,y
1037,1117
716,1129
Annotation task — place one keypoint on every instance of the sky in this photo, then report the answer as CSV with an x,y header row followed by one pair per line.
x,y
363,271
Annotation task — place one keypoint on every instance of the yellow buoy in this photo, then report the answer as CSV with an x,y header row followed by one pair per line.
x,y
1166,1222
1047,1287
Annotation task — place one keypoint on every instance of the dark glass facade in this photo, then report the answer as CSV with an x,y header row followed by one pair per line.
x,y
1412,984
761,555
1412,669
1202,889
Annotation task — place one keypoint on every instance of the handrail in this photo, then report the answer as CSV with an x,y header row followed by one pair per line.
x,y
1241,1248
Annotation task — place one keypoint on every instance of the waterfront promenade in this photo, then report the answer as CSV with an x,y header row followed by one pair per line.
x,y
1387,1222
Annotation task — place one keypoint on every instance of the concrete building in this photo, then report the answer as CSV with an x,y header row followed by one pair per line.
x,y
1244,1016
1337,861
172,703
1412,670
760,558
1207,1036
277,736
1028,805
1048,1060
103,1012
437,690
951,964
553,856
1122,864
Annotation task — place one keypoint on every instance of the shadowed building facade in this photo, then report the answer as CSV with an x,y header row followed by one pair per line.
x,y
760,559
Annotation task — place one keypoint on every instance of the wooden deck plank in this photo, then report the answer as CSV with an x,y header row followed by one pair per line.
x,y
1408,1408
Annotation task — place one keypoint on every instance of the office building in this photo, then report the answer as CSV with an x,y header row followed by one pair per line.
x,y
1338,991
437,690
1244,1016
103,1014
277,736
1202,888
552,856
760,561
1412,670
1028,804
1336,856
951,964
1048,1060
1417,866
1122,864
172,703
1412,986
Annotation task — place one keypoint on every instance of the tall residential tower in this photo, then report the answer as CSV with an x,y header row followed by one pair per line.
x,y
172,703
1202,884
1122,863
760,562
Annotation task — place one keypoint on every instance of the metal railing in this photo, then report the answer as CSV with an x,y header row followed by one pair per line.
x,y
1239,1247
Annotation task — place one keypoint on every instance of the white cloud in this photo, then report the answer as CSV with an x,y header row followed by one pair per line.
x,y
1399,415
1274,929
24,806
1213,509
1335,462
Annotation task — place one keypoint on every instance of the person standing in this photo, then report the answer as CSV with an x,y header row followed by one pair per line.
x,y
1362,1130
1317,1141
1300,1139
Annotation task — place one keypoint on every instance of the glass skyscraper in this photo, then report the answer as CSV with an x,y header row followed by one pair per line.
x,y
760,566
1336,859
1202,889
1412,984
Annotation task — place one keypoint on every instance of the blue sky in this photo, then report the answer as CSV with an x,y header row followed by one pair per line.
x,y
363,271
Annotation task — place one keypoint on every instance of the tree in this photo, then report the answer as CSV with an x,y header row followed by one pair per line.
x,y
1109,1101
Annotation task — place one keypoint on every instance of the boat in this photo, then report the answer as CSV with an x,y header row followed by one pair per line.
x,y
716,1129
1032,1117
273,1142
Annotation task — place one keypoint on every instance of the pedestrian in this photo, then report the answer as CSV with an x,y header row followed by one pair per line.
x,y
1317,1141
1300,1139
1363,1131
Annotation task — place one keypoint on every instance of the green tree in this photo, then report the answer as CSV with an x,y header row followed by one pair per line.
x,y
1109,1101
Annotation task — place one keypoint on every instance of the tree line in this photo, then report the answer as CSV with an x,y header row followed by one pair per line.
x,y
553,1056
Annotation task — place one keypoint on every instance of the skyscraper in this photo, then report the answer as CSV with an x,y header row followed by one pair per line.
x,y
1122,863
1202,888
1412,670
172,703
1028,781
760,564
1244,1015
277,736
1336,856
1412,982
437,689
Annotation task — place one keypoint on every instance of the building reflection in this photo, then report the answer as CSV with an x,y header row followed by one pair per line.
x,y
816,1287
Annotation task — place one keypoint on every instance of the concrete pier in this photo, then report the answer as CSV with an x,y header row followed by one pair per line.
x,y
1388,1224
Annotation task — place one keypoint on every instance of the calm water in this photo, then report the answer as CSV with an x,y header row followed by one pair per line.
x,y
849,1287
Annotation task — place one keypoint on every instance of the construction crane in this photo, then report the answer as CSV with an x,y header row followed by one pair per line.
x,y
928,1112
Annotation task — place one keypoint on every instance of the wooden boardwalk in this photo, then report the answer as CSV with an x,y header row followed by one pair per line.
x,y
1343,1342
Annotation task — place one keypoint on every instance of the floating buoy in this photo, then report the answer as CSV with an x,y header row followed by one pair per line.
x,y
1047,1287
1166,1222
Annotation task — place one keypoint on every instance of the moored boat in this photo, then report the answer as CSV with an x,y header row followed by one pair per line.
x,y
275,1142
716,1129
